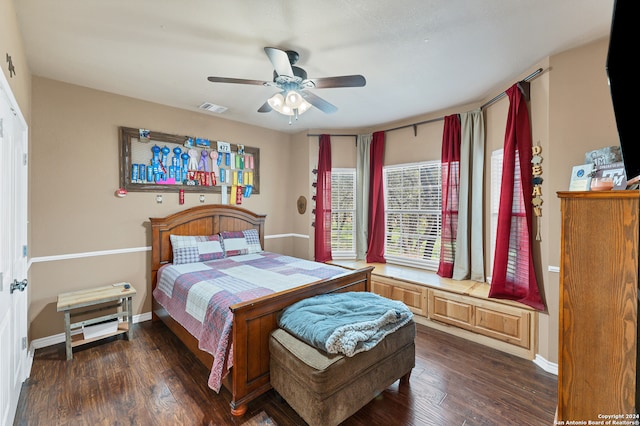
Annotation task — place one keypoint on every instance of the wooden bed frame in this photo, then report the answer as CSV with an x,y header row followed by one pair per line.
x,y
253,321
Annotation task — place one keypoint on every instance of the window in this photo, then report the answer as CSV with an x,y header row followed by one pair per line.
x,y
343,213
413,212
496,180
516,265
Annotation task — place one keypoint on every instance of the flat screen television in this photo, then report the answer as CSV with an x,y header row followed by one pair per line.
x,y
623,82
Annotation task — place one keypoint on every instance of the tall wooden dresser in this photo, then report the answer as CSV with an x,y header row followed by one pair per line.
x,y
598,338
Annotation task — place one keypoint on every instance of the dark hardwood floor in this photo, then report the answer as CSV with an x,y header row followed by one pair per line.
x,y
154,380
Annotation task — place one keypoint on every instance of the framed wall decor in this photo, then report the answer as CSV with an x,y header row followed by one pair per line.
x,y
160,162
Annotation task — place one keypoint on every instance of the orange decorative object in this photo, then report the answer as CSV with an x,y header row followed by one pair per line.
x,y
602,184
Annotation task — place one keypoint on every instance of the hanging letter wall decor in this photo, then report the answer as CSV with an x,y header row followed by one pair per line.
x,y
536,170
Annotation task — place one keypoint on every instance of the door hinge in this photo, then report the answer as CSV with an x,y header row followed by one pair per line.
x,y
25,251
24,343
24,159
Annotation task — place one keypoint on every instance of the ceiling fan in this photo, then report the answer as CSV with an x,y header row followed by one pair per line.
x,y
293,98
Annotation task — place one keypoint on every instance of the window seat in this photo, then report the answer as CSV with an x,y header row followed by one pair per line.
x,y
462,308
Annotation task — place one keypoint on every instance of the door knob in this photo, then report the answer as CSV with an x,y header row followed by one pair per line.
x,y
18,285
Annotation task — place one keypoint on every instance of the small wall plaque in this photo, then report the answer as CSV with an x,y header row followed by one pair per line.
x,y
302,204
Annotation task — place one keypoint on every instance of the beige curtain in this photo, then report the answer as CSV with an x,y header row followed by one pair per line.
x,y
363,143
469,261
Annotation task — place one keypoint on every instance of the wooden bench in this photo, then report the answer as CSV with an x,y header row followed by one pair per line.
x,y
461,308
121,293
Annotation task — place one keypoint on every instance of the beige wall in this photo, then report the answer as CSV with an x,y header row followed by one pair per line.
x,y
74,172
300,186
11,44
580,117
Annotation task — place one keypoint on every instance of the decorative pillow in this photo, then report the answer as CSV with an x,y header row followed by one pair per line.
x,y
241,242
190,249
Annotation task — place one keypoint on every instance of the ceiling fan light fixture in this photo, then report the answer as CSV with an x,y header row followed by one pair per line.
x,y
304,107
291,104
276,101
293,99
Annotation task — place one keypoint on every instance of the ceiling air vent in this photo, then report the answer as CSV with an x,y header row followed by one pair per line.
x,y
218,109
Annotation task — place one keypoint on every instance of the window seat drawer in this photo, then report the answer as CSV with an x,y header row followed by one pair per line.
x,y
461,308
495,320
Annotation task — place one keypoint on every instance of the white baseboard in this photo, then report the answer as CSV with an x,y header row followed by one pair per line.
x,y
547,366
59,338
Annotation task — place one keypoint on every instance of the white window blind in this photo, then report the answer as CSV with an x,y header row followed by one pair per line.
x,y
517,266
343,213
496,180
518,263
413,214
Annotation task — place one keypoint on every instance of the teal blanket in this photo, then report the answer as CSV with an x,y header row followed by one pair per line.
x,y
346,323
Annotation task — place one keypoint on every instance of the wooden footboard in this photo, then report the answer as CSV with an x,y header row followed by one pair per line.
x,y
253,323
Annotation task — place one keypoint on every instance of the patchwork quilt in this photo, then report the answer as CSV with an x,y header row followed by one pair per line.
x,y
198,295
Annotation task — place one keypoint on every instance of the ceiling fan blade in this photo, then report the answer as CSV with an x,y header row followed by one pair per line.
x,y
237,81
280,61
265,107
341,81
318,102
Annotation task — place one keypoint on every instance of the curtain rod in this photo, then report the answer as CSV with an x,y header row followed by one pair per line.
x,y
331,134
503,94
500,96
483,106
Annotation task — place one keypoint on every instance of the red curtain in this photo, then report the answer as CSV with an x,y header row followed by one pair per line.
x,y
323,202
375,252
450,159
514,275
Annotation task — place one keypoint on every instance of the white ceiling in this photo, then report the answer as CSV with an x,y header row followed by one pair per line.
x,y
418,56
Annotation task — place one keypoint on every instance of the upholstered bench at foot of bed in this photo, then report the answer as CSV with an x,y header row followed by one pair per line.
x,y
326,389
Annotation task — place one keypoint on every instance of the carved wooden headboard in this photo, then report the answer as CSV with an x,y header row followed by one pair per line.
x,y
201,220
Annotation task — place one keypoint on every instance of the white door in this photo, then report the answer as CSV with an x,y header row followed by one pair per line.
x,y
14,360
